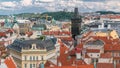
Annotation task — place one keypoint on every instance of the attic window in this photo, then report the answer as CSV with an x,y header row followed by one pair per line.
x,y
33,46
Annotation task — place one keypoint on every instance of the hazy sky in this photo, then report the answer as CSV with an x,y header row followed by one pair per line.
x,y
24,6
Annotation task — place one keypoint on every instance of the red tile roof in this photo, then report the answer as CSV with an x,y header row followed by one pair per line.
x,y
106,55
105,65
116,58
80,66
110,44
118,66
93,50
10,63
29,33
69,38
56,32
48,64
65,59
111,16
2,34
10,31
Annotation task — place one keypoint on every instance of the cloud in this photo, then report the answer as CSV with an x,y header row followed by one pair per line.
x,y
58,5
8,4
26,2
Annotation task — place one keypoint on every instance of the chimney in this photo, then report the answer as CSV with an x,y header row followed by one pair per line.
x,y
78,54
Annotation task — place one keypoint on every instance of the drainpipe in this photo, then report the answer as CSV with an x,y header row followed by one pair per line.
x,y
95,63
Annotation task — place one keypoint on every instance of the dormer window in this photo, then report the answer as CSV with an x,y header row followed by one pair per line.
x,y
33,46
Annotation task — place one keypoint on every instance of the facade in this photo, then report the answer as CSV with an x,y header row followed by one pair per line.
x,y
7,36
38,28
31,53
24,27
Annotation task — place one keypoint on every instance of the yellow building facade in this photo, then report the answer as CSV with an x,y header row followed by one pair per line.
x,y
111,33
31,53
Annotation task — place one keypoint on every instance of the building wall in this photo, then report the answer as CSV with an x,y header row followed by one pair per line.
x,y
101,34
9,40
114,34
35,57
94,55
105,60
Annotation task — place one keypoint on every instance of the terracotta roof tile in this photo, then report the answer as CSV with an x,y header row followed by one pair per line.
x,y
116,58
10,30
93,50
10,63
106,55
48,64
80,66
118,66
2,34
105,65
29,33
56,32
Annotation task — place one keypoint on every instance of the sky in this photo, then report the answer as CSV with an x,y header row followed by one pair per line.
x,y
8,7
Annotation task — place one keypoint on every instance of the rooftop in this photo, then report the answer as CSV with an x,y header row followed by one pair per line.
x,y
48,44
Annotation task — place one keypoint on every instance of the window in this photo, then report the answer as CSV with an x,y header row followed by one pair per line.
x,y
36,57
91,54
33,57
33,65
25,65
42,58
25,57
30,57
30,65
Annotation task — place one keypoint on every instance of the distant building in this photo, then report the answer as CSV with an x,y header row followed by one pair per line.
x,y
76,23
7,36
38,28
31,53
19,26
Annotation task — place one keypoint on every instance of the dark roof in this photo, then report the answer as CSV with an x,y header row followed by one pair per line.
x,y
95,42
105,23
18,45
101,30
